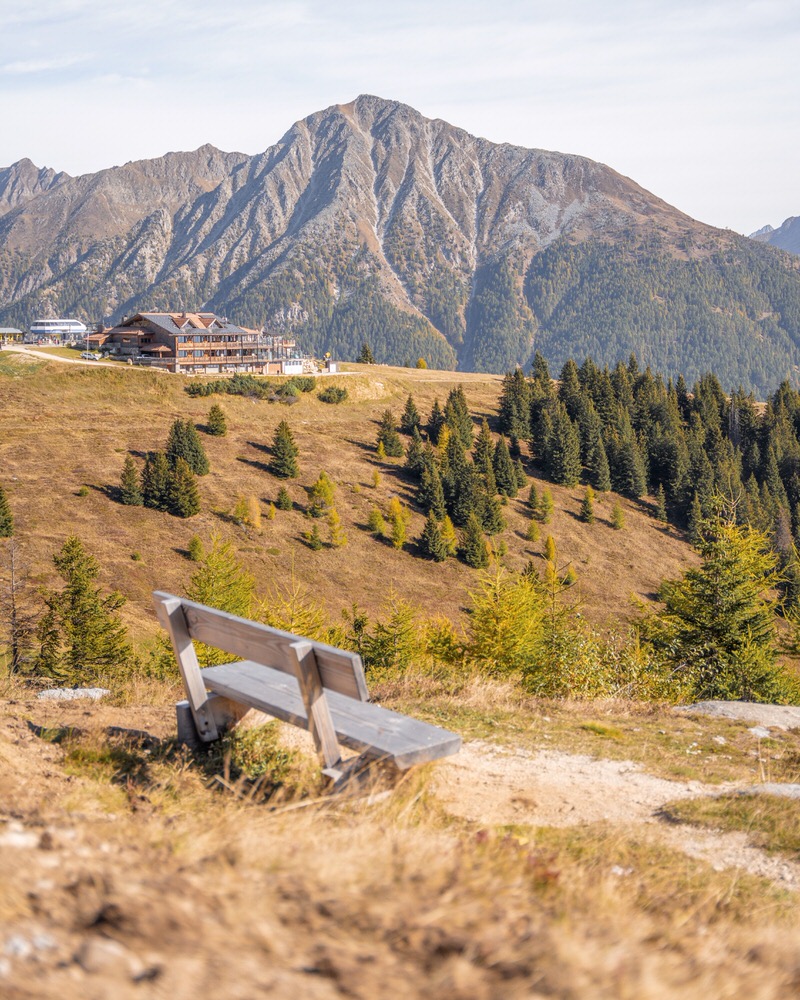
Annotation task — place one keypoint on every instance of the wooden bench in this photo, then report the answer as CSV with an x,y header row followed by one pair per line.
x,y
300,681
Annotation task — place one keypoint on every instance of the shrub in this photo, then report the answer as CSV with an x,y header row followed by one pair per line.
x,y
332,394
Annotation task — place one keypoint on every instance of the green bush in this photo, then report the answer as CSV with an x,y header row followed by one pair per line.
x,y
332,394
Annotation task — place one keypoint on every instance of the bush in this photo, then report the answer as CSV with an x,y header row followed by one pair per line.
x,y
332,394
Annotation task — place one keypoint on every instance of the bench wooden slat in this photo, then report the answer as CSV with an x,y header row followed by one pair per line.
x,y
339,669
359,726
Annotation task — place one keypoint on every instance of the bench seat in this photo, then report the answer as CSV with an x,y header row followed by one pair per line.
x,y
359,725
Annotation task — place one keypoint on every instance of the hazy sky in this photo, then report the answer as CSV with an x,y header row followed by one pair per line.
x,y
698,101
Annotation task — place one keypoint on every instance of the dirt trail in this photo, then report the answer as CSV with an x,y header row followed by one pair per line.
x,y
495,785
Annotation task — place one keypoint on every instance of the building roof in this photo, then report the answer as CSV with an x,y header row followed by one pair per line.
x,y
175,323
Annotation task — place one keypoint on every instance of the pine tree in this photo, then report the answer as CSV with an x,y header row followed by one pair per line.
x,y
562,448
431,543
597,470
365,357
617,517
283,501
313,539
587,506
474,550
217,423
430,495
695,521
519,474
483,449
436,422
515,406
410,418
130,486
661,504
81,633
546,505
184,442
490,513
322,495
414,453
284,453
221,581
717,626
503,468
337,536
533,500
6,517
388,436
376,523
449,536
533,533
457,418
196,552
184,498
156,478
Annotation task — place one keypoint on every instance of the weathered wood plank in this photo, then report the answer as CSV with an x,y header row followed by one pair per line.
x,y
360,726
339,669
320,724
170,613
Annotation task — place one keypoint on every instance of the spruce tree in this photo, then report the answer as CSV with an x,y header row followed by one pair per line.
x,y
217,423
130,486
562,449
483,450
533,500
503,468
414,453
436,422
490,514
313,539
717,626
184,498
156,478
661,504
81,633
410,418
365,356
519,473
6,517
284,453
430,495
431,543
195,551
515,405
184,442
388,436
457,418
597,470
474,550
587,506
283,501
695,520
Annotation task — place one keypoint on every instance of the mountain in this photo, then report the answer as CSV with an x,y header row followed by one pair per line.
x,y
22,181
787,236
369,222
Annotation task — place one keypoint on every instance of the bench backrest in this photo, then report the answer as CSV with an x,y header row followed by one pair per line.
x,y
339,669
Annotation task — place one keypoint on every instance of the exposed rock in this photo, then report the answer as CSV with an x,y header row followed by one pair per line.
x,y
776,716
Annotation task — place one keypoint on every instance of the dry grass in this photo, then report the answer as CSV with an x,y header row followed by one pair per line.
x,y
65,427
771,822
136,870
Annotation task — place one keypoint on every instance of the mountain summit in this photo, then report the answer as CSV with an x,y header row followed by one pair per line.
x,y
370,222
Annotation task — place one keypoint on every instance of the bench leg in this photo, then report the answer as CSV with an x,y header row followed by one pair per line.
x,y
360,775
222,711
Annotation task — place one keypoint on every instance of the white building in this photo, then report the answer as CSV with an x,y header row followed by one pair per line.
x,y
60,330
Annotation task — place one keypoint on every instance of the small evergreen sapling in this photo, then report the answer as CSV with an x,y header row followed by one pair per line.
x,y
546,505
283,501
284,453
410,418
449,536
617,517
474,550
376,523
431,543
587,506
184,499
130,485
6,517
337,536
217,424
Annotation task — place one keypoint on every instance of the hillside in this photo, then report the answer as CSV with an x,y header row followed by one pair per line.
x,y
67,426
367,221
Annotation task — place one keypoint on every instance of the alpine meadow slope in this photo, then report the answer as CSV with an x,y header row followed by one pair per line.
x,y
370,222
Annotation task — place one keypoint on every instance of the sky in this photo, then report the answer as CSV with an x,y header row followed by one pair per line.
x,y
697,101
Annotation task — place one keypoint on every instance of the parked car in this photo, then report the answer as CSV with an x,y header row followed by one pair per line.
x,y
90,356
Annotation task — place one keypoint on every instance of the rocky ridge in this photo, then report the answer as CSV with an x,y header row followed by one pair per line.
x,y
369,221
